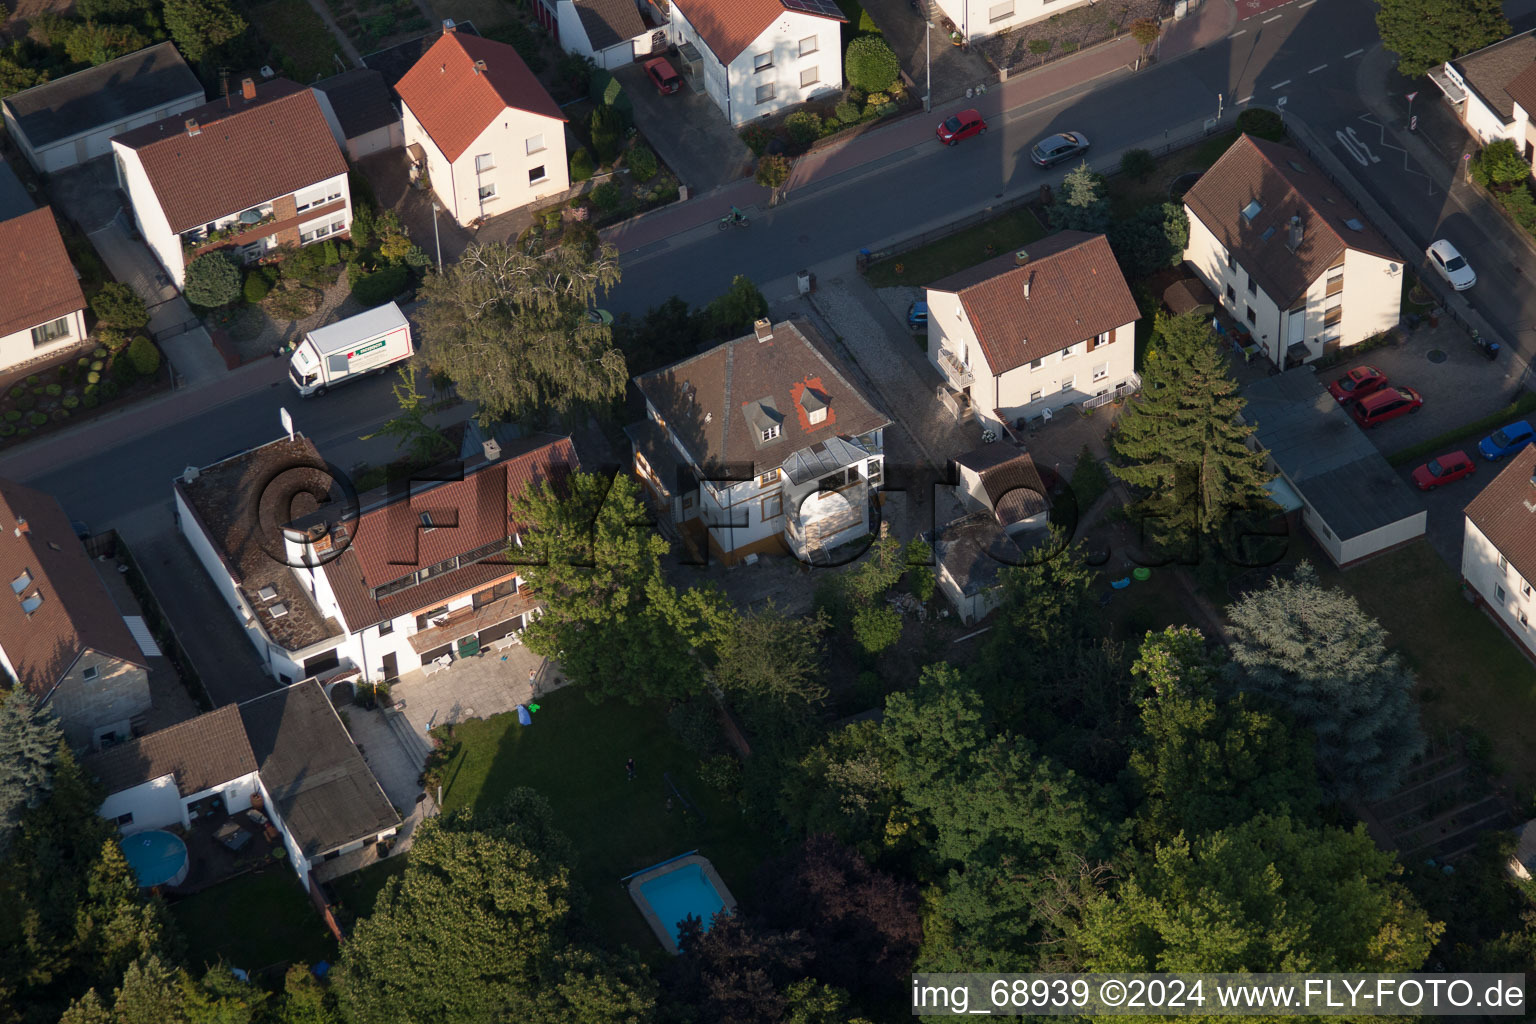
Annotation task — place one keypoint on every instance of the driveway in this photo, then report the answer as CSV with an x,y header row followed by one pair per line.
x,y
954,69
1445,525
686,130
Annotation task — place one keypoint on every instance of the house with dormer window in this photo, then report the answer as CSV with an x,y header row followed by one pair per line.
x,y
1029,333
761,445
1288,256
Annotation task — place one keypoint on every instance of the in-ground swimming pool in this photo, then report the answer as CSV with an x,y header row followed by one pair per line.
x,y
673,889
157,857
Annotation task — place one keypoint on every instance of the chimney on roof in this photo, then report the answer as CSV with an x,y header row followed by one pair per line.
x,y
764,331
192,128
479,66
1294,242
449,26
1021,257
248,88
22,529
491,448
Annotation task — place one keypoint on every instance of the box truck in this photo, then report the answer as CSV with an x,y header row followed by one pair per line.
x,y
350,348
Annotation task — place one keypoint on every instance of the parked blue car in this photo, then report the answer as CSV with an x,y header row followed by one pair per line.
x,y
917,317
1506,441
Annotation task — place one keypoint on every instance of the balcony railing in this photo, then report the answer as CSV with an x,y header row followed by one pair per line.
x,y
959,374
958,403
1131,386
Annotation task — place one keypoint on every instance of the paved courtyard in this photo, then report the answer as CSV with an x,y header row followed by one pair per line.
x,y
488,684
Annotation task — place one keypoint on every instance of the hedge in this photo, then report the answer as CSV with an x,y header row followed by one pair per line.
x,y
379,287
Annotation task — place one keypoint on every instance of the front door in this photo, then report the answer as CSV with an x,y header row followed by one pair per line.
x,y
1298,327
391,667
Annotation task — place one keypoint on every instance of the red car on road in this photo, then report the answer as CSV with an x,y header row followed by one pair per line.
x,y
1386,404
660,72
961,126
1358,383
1444,470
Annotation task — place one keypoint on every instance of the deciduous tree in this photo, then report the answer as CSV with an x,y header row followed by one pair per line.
x,y
1427,33
1313,651
512,330
410,429
1180,442
200,26
771,654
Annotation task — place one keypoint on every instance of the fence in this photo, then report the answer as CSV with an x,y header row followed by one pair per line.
x,y
181,328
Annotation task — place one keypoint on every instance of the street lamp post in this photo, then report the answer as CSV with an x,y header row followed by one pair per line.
x,y
928,68
436,239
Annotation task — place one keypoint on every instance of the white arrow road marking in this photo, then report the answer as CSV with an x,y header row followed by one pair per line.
x,y
1348,142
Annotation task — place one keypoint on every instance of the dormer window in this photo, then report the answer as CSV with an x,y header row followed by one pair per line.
x,y
772,433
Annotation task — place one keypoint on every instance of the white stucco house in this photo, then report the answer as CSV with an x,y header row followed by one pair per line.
x,y
481,128
1288,256
1004,519
977,19
1031,332
1498,553
42,309
612,32
253,171
72,119
1493,91
1350,498
287,751
373,588
755,58
761,445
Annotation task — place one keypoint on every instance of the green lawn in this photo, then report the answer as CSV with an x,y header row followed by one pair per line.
x,y
1017,227
303,43
574,755
1470,673
255,921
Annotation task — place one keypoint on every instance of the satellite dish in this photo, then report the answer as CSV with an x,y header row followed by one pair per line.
x,y
287,418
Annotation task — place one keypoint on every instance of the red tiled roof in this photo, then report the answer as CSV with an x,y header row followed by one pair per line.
x,y
1285,184
39,283
1076,292
389,543
76,613
245,153
730,26
455,103
1504,512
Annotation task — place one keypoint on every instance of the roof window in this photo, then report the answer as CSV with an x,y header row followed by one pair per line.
x,y
21,582
1252,209
1354,225
32,603
1269,233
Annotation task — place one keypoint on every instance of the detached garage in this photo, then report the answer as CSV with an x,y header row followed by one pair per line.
x,y
72,119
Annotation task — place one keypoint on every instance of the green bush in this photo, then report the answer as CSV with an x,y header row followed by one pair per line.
x,y
581,164
887,109
869,64
94,377
1261,123
329,256
98,364
90,401
1040,47
22,432
1138,164
607,133
26,403
117,306
12,415
643,163
108,390
551,219
98,353
379,287
7,429
53,391
867,24
256,288
721,773
212,280
772,171
756,138
607,197
694,723
803,127
34,379
111,340
18,391
37,419
70,402
847,112
144,356
59,415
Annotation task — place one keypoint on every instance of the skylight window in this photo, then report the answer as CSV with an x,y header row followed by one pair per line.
x,y
1354,225
21,582
32,604
1269,233
1252,210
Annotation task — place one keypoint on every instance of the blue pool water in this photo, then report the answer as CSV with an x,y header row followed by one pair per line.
x,y
676,894
157,857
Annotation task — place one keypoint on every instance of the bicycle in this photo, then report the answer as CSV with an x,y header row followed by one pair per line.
x,y
732,220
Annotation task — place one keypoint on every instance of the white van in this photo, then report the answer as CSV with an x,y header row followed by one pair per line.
x,y
350,348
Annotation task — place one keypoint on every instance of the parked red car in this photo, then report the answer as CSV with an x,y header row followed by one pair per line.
x,y
1444,470
660,72
961,126
1358,383
1386,404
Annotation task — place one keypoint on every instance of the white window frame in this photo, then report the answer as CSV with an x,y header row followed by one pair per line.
x,y
326,193
1499,595
485,162
51,332
771,93
996,12
535,144
1105,338
1101,371
486,192
543,170
810,45
1035,396
1068,352
762,61
1035,364
1069,384
815,78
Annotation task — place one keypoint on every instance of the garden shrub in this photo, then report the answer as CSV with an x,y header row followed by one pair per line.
x,y
12,415
803,127
53,391
870,64
1068,45
756,138
97,353
144,356
59,415
112,341
867,24
871,113
98,364
1040,47
256,288
212,280
379,287
772,171
7,429
581,235
37,419
117,306
1145,31
34,379
667,191
329,257
642,163
581,164
551,220
607,197
94,377
887,109
721,773
39,391
90,401
1261,123
18,391
70,402
847,112
108,390
607,134
22,432
1138,164
877,99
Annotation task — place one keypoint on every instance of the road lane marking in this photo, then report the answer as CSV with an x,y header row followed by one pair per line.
x,y
1275,18
1309,3
1239,32
1245,99
1353,53
1317,69
1281,85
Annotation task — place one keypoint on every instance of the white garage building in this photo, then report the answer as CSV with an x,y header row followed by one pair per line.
x,y
72,119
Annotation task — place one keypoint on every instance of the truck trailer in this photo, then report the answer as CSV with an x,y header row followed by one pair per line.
x,y
350,348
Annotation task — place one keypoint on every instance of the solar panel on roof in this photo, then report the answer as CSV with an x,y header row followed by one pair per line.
x,y
825,8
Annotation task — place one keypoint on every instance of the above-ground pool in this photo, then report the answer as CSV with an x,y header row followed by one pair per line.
x,y
667,893
157,857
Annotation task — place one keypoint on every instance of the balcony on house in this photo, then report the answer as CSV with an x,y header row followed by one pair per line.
x,y
226,231
957,373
